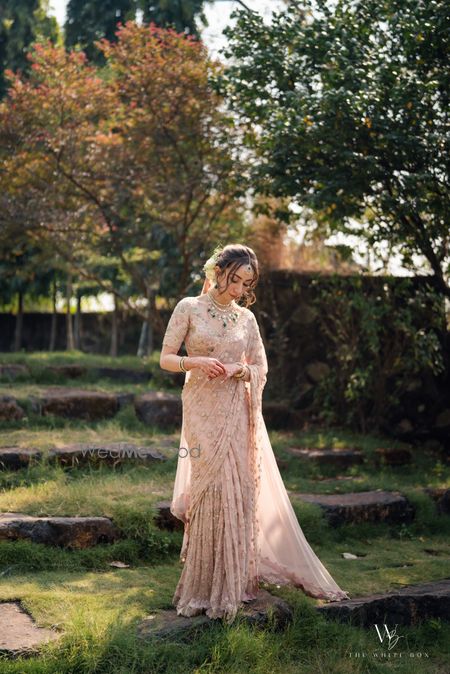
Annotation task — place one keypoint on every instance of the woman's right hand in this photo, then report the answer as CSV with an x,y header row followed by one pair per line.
x,y
211,366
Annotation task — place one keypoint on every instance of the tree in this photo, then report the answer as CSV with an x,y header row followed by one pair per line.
x,y
90,21
346,109
135,163
179,14
21,23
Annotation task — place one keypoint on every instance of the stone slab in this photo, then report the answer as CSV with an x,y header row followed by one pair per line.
x,y
259,612
74,533
19,634
366,506
406,606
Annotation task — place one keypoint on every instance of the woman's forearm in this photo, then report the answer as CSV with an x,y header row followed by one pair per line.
x,y
171,362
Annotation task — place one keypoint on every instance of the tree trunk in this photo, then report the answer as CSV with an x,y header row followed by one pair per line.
x,y
143,340
19,322
70,343
78,326
114,350
52,344
145,347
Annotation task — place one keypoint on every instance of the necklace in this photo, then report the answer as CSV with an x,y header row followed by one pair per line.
x,y
223,312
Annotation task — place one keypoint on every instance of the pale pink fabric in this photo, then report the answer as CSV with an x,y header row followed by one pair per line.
x,y
240,527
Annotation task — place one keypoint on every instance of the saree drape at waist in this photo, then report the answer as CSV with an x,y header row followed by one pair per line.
x,y
214,494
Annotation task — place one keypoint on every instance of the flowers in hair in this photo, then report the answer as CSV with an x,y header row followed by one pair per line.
x,y
209,265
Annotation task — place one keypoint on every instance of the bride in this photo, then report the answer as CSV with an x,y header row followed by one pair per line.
x,y
239,526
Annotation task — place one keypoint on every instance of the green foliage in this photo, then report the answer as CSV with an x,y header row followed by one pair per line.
x,y
179,14
90,21
376,346
21,23
346,110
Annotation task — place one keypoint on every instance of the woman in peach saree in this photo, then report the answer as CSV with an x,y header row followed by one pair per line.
x,y
239,526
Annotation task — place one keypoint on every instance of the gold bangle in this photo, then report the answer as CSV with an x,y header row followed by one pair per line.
x,y
181,364
241,373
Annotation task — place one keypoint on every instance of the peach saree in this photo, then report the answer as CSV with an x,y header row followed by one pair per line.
x,y
239,525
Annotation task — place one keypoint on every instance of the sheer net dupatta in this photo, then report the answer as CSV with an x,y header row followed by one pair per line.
x,y
284,555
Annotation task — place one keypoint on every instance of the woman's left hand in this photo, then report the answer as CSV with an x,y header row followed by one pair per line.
x,y
230,370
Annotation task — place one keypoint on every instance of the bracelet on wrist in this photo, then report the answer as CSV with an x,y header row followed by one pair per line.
x,y
181,364
242,373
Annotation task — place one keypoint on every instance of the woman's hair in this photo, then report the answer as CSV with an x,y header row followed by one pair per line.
x,y
229,260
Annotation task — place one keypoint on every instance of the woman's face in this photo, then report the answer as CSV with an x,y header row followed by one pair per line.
x,y
239,281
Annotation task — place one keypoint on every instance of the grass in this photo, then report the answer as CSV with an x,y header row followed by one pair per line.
x,y
39,359
97,607
39,375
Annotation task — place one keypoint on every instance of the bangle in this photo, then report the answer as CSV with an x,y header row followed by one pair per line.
x,y
181,364
242,372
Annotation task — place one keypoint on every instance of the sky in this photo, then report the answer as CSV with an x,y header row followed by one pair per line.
x,y
218,17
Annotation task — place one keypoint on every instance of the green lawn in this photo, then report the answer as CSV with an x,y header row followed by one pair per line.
x,y
98,606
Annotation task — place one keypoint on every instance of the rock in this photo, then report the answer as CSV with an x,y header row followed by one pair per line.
x,y
13,371
409,605
164,518
258,612
111,452
71,371
393,456
9,409
366,506
336,457
19,634
76,403
441,496
74,533
124,399
158,408
123,374
14,458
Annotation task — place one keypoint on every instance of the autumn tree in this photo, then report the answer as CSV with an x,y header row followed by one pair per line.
x,y
137,162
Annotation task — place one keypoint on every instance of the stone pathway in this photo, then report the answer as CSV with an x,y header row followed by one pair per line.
x,y
74,533
258,612
112,453
76,403
19,634
164,518
15,458
407,606
159,408
335,457
365,506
